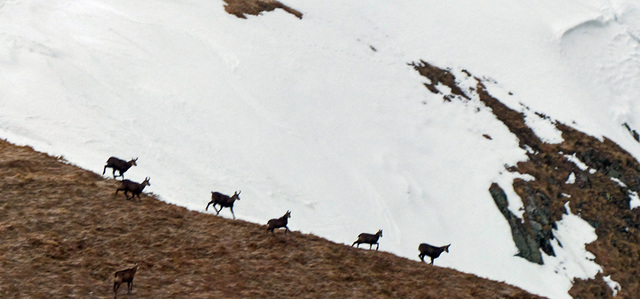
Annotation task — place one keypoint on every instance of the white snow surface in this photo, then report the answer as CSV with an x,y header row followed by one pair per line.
x,y
571,256
323,116
635,200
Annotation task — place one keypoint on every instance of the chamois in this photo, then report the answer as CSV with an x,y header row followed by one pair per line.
x,y
120,165
133,187
280,222
368,239
225,201
125,275
432,251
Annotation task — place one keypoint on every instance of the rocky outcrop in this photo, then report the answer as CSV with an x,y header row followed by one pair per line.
x,y
527,246
240,8
604,178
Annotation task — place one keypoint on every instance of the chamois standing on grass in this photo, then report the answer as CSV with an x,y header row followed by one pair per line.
x,y
279,222
432,251
133,187
368,239
225,201
125,275
120,165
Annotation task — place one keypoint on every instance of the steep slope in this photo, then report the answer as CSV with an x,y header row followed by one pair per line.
x,y
596,179
322,115
64,234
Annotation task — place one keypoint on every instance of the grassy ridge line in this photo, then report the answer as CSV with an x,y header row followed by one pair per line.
x,y
64,234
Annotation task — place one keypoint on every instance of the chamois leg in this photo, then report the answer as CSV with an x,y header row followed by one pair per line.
x,y
431,261
286,229
421,256
104,170
217,211
207,208
130,286
232,213
377,246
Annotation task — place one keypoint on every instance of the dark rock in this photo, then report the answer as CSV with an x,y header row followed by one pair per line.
x,y
528,247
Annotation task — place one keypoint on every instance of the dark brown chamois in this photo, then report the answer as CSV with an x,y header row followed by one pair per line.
x,y
225,201
280,222
432,251
120,165
133,187
125,275
368,239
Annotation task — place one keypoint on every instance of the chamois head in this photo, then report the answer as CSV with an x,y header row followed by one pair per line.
x,y
133,161
236,195
147,181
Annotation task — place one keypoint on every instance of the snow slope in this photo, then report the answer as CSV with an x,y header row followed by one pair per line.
x,y
323,116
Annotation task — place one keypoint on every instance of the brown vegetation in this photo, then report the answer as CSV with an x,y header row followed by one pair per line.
x,y
594,196
64,234
255,7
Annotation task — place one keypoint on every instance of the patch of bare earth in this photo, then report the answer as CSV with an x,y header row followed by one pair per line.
x,y
63,235
594,194
241,8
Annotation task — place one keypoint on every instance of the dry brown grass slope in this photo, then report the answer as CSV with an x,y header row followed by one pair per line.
x,y
64,234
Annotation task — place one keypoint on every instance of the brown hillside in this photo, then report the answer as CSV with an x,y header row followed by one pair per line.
x,y
64,234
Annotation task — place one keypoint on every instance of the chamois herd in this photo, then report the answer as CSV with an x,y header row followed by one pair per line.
x,y
226,201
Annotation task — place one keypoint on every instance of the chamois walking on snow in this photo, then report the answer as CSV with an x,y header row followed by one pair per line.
x,y
280,222
125,275
120,165
432,251
225,201
133,187
368,239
